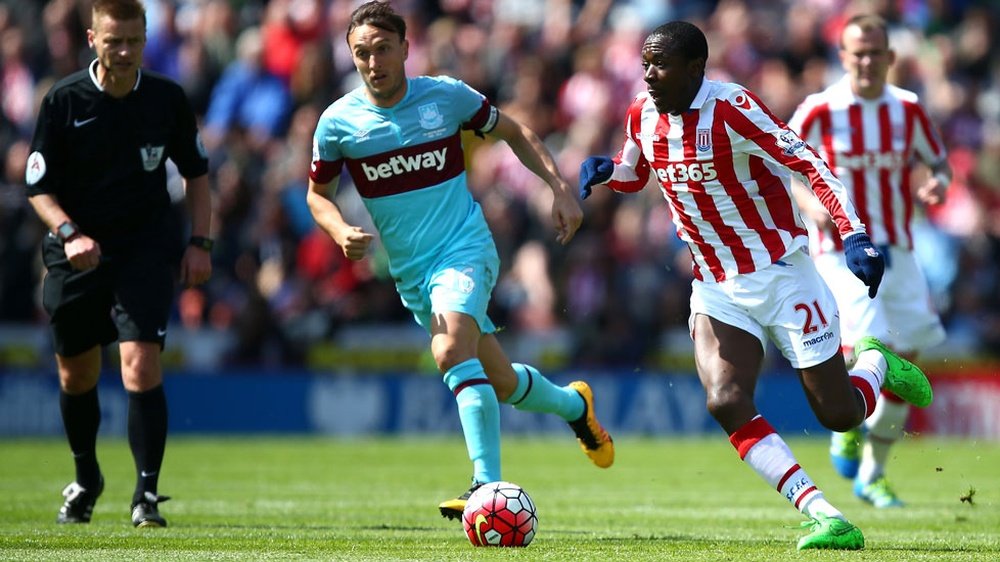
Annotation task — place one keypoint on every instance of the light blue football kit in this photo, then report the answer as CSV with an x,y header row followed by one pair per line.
x,y
409,168
408,165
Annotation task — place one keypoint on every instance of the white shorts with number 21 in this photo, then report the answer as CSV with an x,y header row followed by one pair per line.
x,y
787,302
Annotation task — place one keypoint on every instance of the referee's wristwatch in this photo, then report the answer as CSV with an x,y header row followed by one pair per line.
x,y
66,231
202,242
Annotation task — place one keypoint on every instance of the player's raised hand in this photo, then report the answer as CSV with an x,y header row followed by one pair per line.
x,y
354,242
566,215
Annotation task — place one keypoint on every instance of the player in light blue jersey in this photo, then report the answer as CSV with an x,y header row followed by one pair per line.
x,y
400,139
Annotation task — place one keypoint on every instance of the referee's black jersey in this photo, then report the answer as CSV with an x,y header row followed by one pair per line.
x,y
104,157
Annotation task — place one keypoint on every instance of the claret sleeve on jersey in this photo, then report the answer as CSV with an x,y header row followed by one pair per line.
x,y
772,140
485,119
326,158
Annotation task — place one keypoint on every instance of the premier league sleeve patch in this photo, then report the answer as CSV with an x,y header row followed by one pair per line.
x,y
151,156
35,169
790,143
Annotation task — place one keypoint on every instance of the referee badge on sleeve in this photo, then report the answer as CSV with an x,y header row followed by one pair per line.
x,y
35,168
151,156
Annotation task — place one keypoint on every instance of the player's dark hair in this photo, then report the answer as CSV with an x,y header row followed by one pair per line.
x,y
380,14
866,23
680,38
120,10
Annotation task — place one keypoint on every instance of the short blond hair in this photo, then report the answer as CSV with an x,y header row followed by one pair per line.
x,y
866,23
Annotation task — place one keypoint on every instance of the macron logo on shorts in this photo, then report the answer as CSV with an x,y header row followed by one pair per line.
x,y
399,164
818,339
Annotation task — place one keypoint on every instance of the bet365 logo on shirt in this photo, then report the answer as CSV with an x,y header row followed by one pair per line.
x,y
680,172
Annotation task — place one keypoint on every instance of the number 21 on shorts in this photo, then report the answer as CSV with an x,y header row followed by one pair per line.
x,y
813,313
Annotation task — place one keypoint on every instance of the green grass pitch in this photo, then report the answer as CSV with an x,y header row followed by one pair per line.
x,y
314,498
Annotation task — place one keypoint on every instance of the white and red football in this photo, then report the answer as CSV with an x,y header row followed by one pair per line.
x,y
500,514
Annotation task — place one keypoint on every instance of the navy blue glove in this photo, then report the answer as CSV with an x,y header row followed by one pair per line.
x,y
864,261
594,170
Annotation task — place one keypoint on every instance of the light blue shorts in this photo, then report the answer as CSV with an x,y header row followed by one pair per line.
x,y
459,282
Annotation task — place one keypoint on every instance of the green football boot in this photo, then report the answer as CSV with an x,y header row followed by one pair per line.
x,y
831,533
902,378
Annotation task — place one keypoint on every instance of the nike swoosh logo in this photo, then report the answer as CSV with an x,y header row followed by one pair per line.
x,y
78,123
161,332
478,526
145,474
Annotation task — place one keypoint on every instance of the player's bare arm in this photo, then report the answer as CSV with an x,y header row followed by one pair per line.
x,y
811,206
352,239
196,265
529,149
933,191
82,251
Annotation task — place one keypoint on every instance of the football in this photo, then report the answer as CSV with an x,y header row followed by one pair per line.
x,y
500,514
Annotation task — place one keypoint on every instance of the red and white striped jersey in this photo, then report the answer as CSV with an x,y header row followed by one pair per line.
x,y
724,167
872,146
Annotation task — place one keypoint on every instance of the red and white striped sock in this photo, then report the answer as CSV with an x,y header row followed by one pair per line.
x,y
867,376
767,454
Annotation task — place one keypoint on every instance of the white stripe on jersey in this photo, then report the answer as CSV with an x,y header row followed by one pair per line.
x,y
871,145
723,167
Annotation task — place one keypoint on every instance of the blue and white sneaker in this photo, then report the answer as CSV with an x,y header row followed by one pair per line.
x,y
845,452
878,493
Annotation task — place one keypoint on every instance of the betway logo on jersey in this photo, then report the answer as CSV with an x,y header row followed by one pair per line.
x,y
408,168
399,164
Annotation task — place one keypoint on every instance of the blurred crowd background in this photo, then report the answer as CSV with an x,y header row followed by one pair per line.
x,y
260,72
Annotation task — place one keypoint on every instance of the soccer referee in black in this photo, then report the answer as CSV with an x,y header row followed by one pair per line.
x,y
96,176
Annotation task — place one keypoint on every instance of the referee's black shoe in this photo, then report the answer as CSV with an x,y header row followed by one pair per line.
x,y
145,512
80,501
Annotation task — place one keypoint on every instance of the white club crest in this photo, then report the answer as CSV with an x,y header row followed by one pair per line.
x,y
703,140
430,116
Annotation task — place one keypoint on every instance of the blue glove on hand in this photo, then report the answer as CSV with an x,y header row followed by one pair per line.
x,y
594,170
864,261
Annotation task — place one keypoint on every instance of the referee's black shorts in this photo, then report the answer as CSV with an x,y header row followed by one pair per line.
x,y
128,297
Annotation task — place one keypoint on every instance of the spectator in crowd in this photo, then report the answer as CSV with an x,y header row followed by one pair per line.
x,y
248,99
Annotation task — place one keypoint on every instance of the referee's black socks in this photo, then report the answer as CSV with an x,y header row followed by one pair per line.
x,y
81,415
147,437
